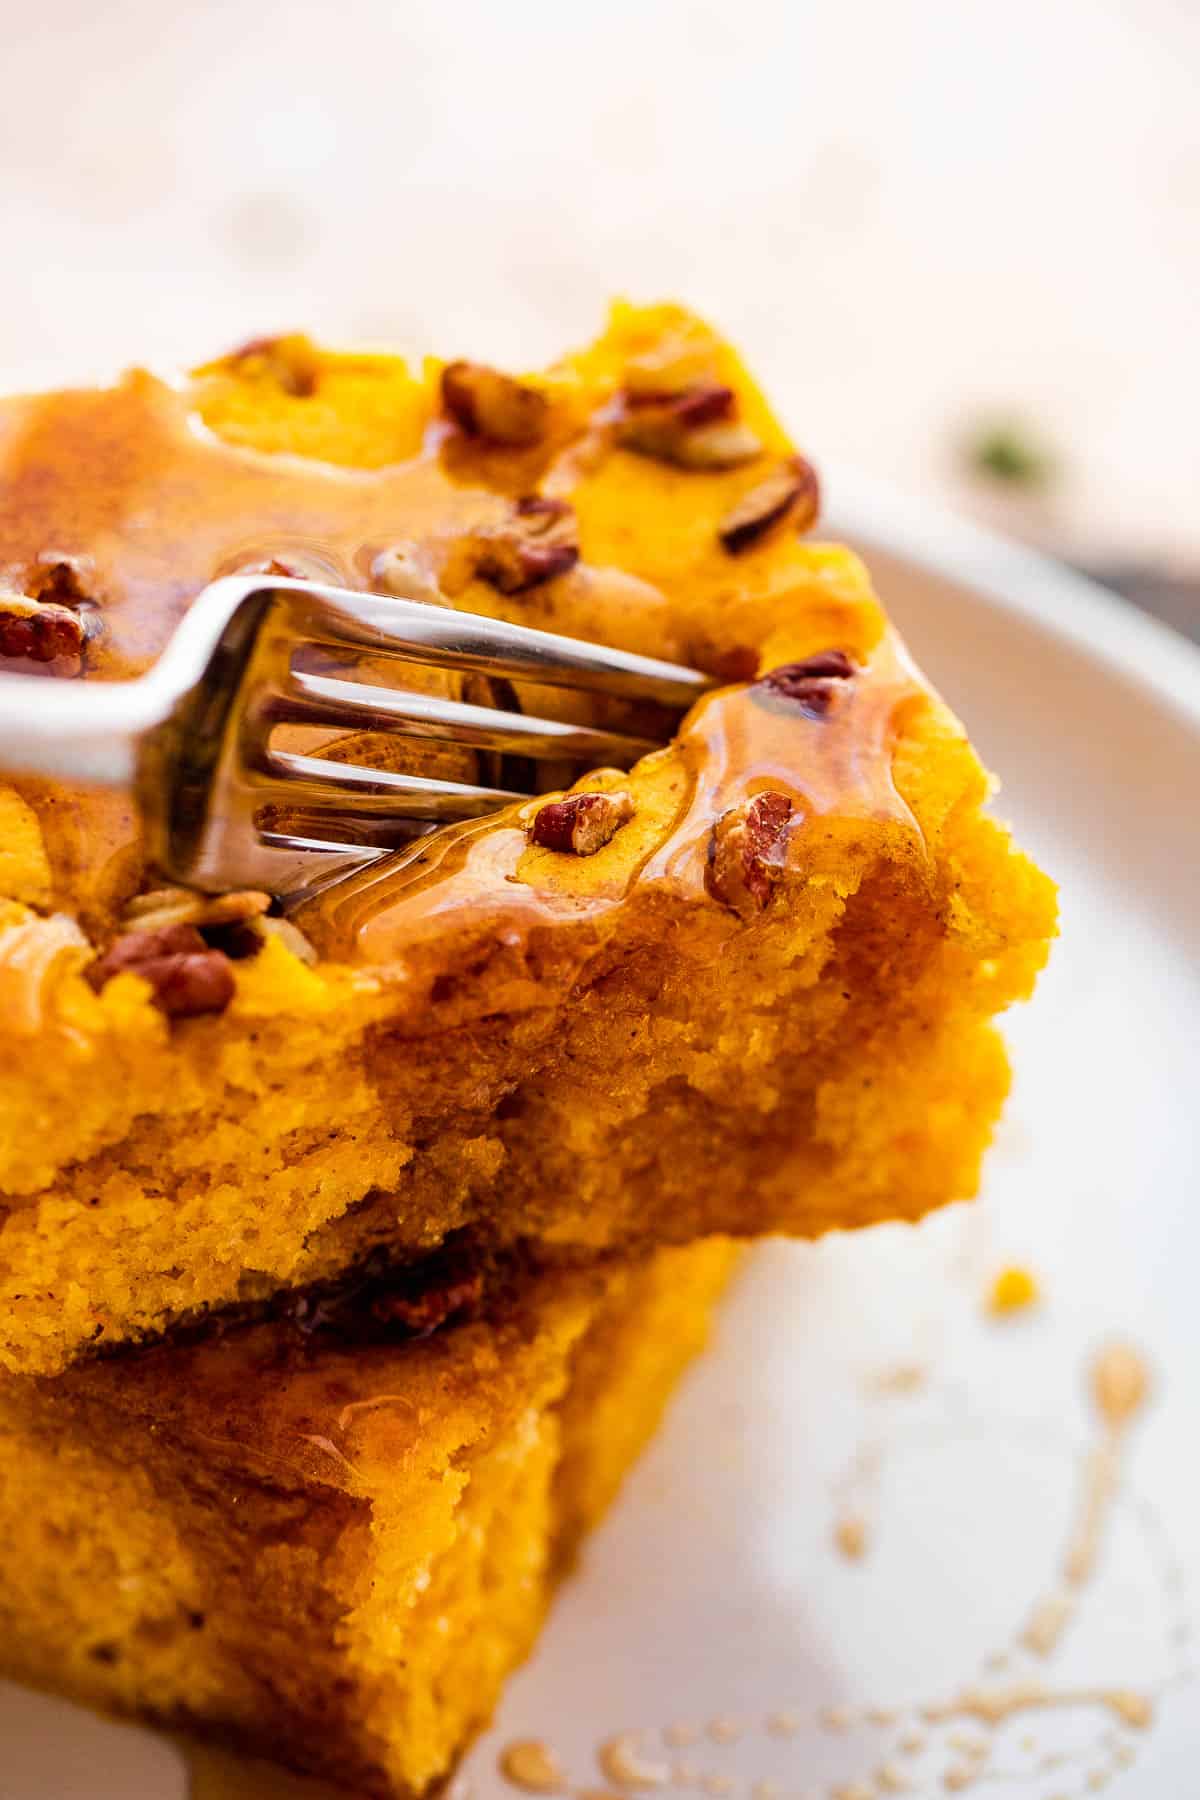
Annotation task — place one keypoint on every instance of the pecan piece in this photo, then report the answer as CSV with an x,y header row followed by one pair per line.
x,y
747,851
790,491
809,683
186,976
160,907
488,405
421,1313
60,580
242,939
739,663
275,565
289,360
694,428
582,823
539,541
40,633
379,1303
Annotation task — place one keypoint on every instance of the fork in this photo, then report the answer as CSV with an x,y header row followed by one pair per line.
x,y
192,737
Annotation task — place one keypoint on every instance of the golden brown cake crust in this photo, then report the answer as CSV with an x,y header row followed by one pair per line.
x,y
744,986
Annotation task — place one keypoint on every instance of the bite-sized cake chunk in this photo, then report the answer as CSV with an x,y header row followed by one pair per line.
x,y
746,985
331,1551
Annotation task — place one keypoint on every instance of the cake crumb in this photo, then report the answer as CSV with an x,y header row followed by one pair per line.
x,y
1014,1290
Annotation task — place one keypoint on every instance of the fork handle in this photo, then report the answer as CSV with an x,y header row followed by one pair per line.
x,y
72,731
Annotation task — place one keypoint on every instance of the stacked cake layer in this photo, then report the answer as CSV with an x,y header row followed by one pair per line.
x,y
349,1247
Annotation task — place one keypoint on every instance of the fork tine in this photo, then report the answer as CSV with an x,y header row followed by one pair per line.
x,y
323,700
414,631
353,791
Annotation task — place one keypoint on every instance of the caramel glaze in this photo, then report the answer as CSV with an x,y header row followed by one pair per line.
x,y
157,506
738,742
129,480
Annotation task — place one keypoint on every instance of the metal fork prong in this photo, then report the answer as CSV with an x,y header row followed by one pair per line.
x,y
413,631
328,847
354,706
309,782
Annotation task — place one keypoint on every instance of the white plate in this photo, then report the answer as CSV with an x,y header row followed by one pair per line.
x,y
861,1376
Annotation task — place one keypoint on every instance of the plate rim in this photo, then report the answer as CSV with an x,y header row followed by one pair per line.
x,y
1015,579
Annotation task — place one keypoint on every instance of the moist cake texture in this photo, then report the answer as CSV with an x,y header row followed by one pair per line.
x,y
331,1554
746,986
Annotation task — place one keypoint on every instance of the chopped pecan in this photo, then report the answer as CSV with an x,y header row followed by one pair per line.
x,y
242,939
274,565
421,1313
747,852
539,540
790,492
184,906
669,367
377,1303
699,403
809,683
488,405
695,428
57,579
186,976
739,663
39,633
290,360
582,823
235,923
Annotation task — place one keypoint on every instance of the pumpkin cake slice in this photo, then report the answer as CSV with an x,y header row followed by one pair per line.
x,y
327,1550
745,986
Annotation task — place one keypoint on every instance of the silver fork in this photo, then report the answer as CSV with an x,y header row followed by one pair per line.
x,y
192,738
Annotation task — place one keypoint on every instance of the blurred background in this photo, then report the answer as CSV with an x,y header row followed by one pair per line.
x,y
958,241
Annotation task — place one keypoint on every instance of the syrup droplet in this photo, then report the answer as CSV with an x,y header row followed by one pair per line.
x,y
531,1765
850,1536
1131,1708
1120,1384
783,1724
994,1706
621,1760
680,1736
1047,1623
725,1731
